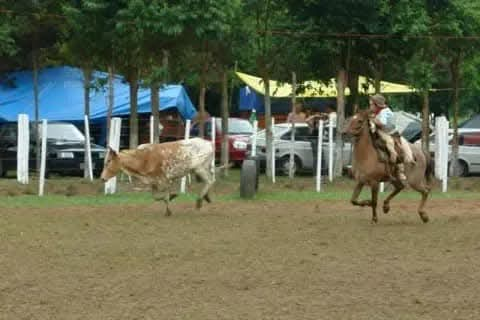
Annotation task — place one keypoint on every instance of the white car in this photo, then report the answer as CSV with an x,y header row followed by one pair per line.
x,y
304,160
468,155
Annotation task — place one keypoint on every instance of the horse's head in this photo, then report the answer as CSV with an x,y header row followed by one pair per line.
x,y
356,124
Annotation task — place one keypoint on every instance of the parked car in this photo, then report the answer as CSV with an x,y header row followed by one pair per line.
x,y
303,154
468,150
65,149
239,131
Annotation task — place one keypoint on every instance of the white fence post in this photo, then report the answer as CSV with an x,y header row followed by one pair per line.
x,y
213,136
187,136
43,160
254,138
273,150
291,172
331,118
319,155
382,186
441,151
151,128
445,155
114,143
88,149
23,148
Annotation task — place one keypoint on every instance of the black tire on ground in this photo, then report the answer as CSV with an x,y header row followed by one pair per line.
x,y
2,172
462,168
284,165
248,179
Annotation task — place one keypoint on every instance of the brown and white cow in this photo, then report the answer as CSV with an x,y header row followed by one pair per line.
x,y
161,165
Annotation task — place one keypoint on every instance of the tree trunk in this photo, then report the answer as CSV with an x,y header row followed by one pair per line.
x,y
37,110
165,66
201,99
110,101
378,73
341,81
232,83
354,96
268,125
133,110
425,122
87,78
202,114
224,152
455,72
155,106
291,173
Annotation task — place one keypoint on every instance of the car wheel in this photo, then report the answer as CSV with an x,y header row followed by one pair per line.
x,y
2,171
462,168
284,165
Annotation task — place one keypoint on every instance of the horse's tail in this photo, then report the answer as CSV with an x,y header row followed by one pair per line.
x,y
429,167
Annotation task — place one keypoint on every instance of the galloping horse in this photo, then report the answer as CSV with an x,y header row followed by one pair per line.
x,y
368,169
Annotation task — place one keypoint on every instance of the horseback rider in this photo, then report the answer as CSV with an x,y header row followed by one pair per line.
x,y
397,147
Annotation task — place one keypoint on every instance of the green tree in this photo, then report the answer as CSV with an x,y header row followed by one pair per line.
x,y
458,19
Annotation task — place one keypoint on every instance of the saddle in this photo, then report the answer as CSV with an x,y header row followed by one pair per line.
x,y
381,148
384,154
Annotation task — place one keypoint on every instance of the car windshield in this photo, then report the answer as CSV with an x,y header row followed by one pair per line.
x,y
63,132
277,130
237,126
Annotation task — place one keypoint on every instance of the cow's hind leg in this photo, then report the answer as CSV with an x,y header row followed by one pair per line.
x,y
209,180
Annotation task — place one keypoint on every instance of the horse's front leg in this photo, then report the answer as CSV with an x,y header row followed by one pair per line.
x,y
356,193
399,186
374,188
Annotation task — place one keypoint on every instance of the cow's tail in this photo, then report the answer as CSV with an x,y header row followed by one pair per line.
x,y
223,167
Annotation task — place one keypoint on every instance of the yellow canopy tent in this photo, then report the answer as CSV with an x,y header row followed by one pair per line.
x,y
318,89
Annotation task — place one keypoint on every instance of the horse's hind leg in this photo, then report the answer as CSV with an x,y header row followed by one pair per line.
x,y
425,191
398,187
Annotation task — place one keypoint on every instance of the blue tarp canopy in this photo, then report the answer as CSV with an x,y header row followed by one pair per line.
x,y
61,96
250,99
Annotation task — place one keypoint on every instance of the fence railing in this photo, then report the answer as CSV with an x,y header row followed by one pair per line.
x,y
82,158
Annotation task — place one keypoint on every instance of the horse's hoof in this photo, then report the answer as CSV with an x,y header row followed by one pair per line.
x,y
386,209
374,221
366,203
168,213
199,203
207,198
424,217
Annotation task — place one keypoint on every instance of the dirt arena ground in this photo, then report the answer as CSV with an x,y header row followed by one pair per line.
x,y
261,259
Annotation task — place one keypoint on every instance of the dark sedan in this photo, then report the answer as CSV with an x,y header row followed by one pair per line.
x,y
65,150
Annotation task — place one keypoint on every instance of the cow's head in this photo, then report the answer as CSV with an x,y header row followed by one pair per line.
x,y
112,165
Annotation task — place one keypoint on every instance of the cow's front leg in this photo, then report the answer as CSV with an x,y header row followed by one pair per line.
x,y
160,196
167,202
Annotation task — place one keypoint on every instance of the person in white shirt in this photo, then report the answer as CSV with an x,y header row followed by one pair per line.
x,y
384,120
